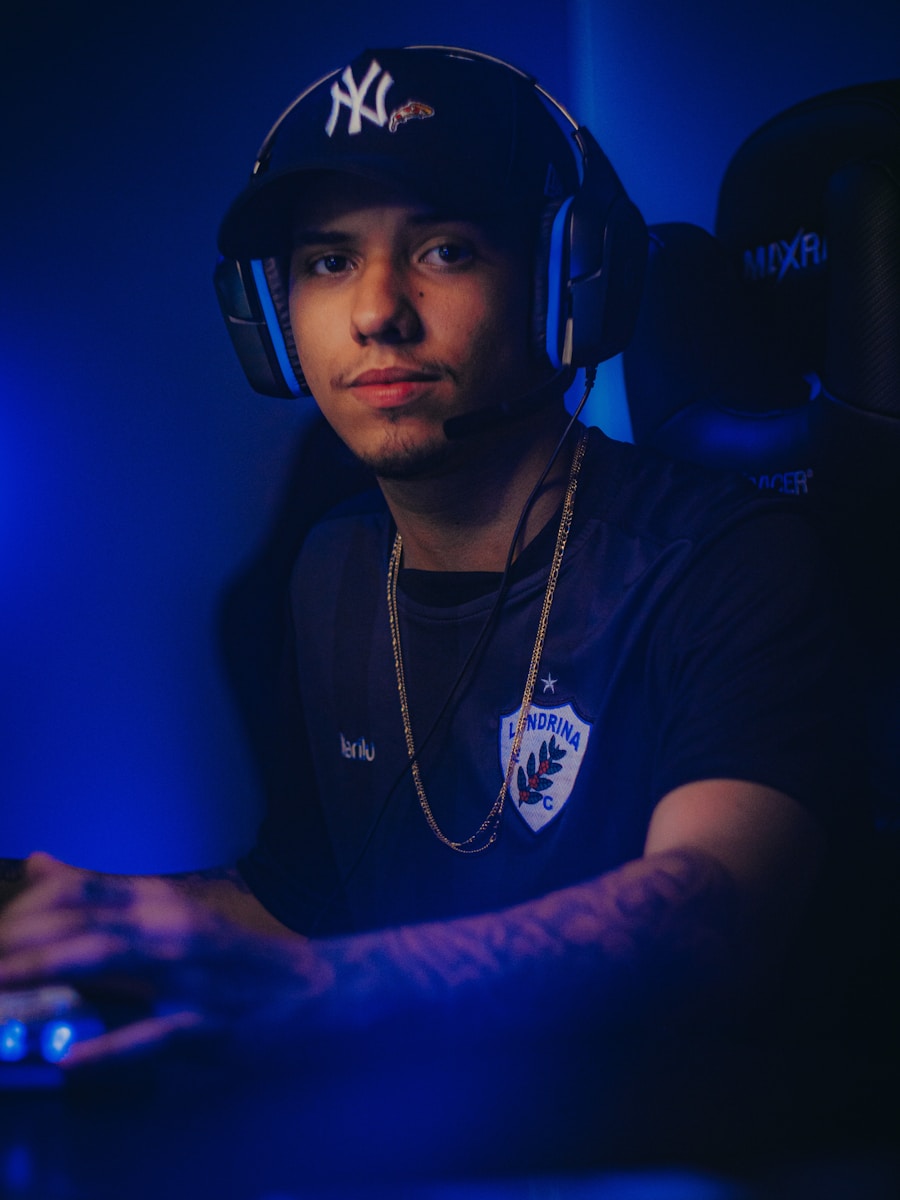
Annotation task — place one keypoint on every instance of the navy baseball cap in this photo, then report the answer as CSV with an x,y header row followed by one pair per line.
x,y
458,130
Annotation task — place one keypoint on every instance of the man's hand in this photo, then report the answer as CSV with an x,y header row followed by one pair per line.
x,y
143,942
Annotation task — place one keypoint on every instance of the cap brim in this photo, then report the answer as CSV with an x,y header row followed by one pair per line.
x,y
259,223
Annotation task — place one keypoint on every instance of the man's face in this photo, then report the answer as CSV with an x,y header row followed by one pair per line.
x,y
404,318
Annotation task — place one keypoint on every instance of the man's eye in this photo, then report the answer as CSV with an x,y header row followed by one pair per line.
x,y
447,254
329,264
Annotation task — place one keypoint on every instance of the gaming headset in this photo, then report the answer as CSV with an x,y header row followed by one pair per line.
x,y
593,244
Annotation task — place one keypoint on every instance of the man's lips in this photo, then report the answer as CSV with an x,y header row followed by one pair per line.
x,y
391,387
389,375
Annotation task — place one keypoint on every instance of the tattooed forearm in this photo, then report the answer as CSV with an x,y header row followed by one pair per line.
x,y
655,931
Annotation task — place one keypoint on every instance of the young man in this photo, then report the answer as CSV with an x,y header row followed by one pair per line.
x,y
562,718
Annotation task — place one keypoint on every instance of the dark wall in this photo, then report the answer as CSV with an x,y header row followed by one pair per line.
x,y
138,473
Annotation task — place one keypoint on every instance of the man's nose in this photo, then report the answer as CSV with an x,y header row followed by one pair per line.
x,y
383,306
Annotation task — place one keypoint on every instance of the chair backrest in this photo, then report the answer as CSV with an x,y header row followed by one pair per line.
x,y
773,348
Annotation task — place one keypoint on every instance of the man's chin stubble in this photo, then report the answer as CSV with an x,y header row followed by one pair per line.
x,y
401,462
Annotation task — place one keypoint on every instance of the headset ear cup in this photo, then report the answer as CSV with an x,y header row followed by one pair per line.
x,y
277,273
596,258
599,249
243,294
605,298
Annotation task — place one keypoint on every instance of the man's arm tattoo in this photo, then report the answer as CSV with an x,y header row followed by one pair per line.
x,y
658,931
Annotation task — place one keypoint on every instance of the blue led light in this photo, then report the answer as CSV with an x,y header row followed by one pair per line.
x,y
13,1041
56,1039
558,237
268,307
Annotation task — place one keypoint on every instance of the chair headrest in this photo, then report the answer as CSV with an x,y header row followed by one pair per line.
x,y
809,213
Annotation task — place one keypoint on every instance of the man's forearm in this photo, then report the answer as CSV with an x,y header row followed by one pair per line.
x,y
656,936
534,1035
658,932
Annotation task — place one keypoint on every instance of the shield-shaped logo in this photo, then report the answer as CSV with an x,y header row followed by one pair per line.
x,y
553,747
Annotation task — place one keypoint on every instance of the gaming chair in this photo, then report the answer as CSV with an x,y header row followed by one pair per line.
x,y
773,348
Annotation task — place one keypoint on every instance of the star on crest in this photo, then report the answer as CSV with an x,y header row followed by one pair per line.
x,y
549,684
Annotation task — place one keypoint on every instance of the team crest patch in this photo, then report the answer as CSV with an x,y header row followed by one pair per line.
x,y
553,747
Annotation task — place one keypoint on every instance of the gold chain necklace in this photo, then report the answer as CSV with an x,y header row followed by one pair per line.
x,y
486,833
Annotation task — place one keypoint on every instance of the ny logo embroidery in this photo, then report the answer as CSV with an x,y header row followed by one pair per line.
x,y
354,98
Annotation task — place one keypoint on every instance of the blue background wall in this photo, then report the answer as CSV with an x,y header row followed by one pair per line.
x,y
138,473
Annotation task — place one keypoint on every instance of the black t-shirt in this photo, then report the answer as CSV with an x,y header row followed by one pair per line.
x,y
691,637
